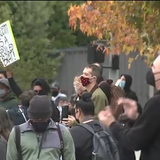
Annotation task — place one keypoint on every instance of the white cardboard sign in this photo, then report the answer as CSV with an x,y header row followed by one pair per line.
x,y
8,49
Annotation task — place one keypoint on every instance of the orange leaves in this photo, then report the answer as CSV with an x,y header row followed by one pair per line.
x,y
89,2
106,50
109,20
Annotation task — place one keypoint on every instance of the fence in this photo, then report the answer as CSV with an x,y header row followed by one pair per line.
x,y
75,60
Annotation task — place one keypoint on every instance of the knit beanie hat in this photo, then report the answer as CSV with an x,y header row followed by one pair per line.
x,y
40,107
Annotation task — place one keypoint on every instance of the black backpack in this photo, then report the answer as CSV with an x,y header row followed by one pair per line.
x,y
18,141
104,147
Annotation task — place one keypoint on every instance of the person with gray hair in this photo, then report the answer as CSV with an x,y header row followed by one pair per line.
x,y
40,137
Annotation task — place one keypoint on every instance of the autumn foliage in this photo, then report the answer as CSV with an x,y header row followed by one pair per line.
x,y
126,26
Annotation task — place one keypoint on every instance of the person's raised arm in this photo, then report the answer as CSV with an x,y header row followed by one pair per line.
x,y
15,88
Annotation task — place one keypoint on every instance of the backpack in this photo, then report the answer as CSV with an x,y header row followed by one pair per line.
x,y
18,142
104,147
116,93
18,115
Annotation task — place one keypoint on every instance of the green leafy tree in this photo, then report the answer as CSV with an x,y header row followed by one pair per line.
x,y
65,37
39,29
36,38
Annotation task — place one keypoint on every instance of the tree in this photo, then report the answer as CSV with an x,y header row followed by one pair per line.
x,y
65,37
38,30
126,26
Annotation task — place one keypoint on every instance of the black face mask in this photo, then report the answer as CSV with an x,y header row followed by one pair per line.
x,y
150,78
54,93
40,127
40,93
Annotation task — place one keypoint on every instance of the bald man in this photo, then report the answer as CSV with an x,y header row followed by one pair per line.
x,y
145,134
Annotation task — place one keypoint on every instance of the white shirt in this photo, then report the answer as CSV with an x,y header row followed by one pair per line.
x,y
59,95
60,111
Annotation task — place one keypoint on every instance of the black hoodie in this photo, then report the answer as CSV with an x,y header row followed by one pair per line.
x,y
126,154
129,93
46,90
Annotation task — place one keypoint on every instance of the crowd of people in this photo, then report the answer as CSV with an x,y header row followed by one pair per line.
x,y
34,124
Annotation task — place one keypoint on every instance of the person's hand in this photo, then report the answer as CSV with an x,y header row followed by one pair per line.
x,y
106,116
9,74
69,121
118,82
130,108
78,87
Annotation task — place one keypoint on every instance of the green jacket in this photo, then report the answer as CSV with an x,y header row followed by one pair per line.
x,y
100,100
50,145
9,102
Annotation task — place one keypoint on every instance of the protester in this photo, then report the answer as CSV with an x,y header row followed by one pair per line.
x,y
5,129
125,83
145,134
89,81
41,87
40,136
7,99
56,94
84,112
19,114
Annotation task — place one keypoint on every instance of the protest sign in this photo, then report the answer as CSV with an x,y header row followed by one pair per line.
x,y
8,49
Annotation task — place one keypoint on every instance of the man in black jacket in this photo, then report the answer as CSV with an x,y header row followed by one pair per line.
x,y
145,134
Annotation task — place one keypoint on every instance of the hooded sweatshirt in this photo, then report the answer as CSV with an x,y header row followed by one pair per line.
x,y
129,93
46,90
9,102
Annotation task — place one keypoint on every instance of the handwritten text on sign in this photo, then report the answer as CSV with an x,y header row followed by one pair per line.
x,y
8,49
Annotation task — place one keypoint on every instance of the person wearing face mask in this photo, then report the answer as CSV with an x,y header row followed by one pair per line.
x,y
41,87
84,112
55,91
7,98
145,133
40,137
125,83
89,81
